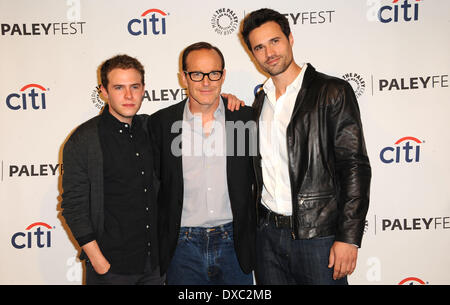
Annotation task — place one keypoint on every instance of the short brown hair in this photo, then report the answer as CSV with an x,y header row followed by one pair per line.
x,y
120,62
200,46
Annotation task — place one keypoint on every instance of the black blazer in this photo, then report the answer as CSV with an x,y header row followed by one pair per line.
x,y
240,178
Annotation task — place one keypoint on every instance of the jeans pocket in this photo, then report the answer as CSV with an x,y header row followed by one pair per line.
x,y
183,237
227,236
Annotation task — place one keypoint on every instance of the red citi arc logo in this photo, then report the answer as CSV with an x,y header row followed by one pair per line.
x,y
397,153
24,100
42,238
412,281
152,22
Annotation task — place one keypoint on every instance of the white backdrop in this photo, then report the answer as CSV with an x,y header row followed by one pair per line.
x,y
394,53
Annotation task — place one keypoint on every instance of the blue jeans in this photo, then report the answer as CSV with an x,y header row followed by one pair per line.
x,y
281,260
206,256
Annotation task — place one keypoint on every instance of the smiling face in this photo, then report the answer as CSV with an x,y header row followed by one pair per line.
x,y
271,48
205,94
124,93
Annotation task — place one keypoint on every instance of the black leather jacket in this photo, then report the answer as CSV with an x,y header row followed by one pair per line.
x,y
328,164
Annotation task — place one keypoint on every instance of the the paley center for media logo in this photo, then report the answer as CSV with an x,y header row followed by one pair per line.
x,y
224,21
357,82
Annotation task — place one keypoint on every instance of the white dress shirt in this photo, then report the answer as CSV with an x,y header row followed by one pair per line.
x,y
274,119
206,202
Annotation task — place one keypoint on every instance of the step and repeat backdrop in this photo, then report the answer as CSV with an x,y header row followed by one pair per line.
x,y
395,54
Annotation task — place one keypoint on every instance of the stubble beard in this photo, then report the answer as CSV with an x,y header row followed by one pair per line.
x,y
278,70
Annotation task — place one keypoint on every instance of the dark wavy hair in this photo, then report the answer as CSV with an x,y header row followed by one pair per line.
x,y
257,18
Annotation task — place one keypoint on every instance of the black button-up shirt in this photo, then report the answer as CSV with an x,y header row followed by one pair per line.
x,y
127,174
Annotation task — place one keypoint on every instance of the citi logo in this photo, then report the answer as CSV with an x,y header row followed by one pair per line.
x,y
39,238
258,88
153,24
412,281
402,151
27,98
399,12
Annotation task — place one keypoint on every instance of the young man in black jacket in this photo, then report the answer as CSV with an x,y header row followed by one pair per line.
x,y
109,198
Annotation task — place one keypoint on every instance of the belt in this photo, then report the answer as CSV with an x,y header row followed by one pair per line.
x,y
279,221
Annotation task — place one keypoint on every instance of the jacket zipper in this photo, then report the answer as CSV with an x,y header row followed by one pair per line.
x,y
302,201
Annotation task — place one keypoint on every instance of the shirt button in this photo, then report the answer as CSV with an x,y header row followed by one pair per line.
x,y
146,209
147,226
211,211
120,130
145,190
137,154
126,125
142,172
209,188
131,136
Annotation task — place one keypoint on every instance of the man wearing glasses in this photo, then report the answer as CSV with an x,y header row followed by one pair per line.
x,y
206,210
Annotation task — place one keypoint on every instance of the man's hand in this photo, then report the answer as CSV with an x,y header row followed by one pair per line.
x,y
233,102
98,261
343,258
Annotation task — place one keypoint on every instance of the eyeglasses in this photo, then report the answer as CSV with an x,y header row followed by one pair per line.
x,y
198,76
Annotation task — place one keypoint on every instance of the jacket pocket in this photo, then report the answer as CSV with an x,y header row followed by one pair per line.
x,y
316,210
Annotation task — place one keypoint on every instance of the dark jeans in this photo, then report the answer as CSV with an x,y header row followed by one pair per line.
x,y
281,260
148,277
206,256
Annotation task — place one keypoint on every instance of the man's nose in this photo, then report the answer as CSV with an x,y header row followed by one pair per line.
x,y
128,93
269,51
206,81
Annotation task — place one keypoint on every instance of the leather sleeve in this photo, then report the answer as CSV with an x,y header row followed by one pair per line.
x,y
352,167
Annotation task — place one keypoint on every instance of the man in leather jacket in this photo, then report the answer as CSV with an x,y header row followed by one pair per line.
x,y
312,169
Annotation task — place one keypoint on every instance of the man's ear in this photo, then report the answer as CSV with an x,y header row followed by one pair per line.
x,y
104,91
183,79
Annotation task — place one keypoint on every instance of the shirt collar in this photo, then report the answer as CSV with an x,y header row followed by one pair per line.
x,y
189,116
269,87
114,124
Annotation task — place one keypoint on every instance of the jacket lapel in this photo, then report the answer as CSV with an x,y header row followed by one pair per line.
x,y
307,79
229,116
178,160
